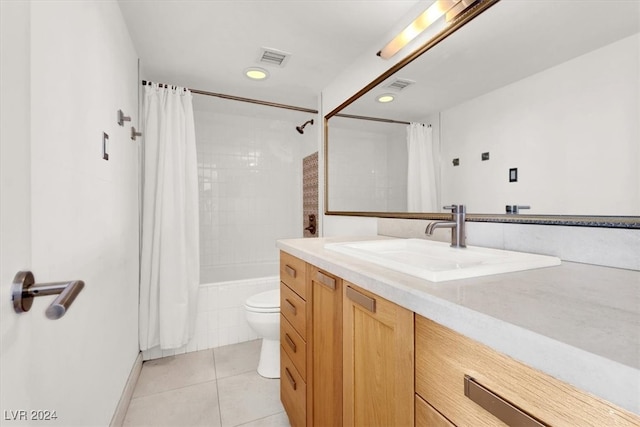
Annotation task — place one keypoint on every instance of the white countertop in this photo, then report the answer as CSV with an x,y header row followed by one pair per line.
x,y
579,323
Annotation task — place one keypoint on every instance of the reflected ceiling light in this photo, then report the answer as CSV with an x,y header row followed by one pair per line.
x,y
385,97
439,8
256,73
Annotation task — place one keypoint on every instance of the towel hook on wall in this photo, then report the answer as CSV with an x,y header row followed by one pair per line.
x,y
122,118
134,134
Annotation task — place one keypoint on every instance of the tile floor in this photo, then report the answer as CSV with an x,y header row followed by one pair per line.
x,y
218,387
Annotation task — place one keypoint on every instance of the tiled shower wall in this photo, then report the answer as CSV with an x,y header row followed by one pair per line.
x,y
221,319
250,187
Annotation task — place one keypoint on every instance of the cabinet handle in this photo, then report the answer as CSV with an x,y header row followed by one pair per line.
x,y
290,378
291,306
290,271
289,341
328,281
497,406
361,299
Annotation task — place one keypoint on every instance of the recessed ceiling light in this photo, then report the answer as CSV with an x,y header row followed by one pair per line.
x,y
385,97
256,73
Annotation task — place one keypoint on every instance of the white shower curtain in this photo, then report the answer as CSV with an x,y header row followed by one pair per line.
x,y
422,188
169,260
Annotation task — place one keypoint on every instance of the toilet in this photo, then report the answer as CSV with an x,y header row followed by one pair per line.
x,y
263,314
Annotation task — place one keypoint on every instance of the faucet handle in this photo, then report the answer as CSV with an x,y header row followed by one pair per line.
x,y
456,208
514,209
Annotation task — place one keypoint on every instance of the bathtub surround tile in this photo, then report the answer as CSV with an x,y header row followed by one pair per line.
x,y
221,318
249,175
237,359
196,405
247,397
174,372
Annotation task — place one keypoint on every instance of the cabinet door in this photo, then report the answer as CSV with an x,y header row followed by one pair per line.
x,y
378,361
327,349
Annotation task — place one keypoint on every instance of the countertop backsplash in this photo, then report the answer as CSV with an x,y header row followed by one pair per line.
x,y
610,247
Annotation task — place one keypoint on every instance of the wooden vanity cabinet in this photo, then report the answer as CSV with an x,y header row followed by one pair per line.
x,y
295,330
350,357
311,344
450,365
378,361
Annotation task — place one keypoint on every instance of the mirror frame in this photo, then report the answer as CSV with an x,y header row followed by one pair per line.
x,y
628,222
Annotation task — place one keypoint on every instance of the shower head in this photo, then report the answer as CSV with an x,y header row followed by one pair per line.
x,y
300,129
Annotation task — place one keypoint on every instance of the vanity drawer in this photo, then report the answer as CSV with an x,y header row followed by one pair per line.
x,y
294,346
292,273
293,391
448,365
426,416
294,309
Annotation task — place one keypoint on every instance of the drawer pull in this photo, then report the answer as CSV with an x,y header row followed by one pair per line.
x,y
289,341
328,281
291,306
361,299
290,378
497,406
290,271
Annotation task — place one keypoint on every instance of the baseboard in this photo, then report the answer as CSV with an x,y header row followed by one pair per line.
x,y
127,393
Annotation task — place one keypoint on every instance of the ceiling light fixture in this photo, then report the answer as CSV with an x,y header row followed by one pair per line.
x,y
256,73
385,97
437,10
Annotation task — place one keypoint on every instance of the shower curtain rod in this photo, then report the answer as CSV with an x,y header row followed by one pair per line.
x,y
374,119
276,105
248,100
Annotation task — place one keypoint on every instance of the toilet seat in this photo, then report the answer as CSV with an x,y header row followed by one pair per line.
x,y
264,302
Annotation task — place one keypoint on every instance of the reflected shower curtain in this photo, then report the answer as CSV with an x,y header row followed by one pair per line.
x,y
169,260
422,189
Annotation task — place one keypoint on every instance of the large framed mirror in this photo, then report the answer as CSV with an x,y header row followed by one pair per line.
x,y
531,107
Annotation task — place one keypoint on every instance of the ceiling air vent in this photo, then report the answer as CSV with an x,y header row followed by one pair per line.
x,y
273,57
399,84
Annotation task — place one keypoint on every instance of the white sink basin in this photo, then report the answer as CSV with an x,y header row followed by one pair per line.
x,y
439,262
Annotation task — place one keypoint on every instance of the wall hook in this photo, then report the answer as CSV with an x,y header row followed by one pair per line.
x,y
24,290
122,118
134,134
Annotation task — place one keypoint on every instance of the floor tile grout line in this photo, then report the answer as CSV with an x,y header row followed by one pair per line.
x,y
215,368
258,419
176,389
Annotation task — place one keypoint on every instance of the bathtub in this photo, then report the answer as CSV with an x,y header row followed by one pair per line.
x,y
238,272
221,320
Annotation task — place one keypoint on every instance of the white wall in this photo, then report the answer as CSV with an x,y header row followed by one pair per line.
x,y
574,120
83,217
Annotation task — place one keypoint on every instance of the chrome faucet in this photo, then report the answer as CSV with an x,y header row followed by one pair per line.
x,y
457,225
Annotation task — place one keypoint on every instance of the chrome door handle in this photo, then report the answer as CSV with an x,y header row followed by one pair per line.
x,y
24,290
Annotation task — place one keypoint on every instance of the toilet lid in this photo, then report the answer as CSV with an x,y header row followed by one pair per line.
x,y
268,301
